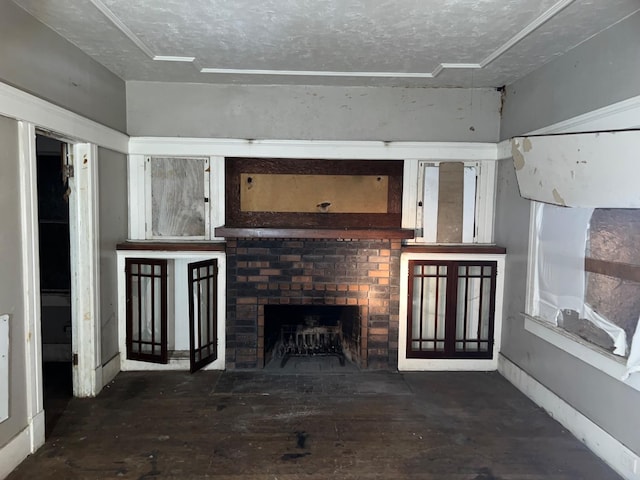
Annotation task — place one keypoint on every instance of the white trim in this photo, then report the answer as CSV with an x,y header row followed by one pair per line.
x,y
410,175
429,188
136,191
14,452
370,150
504,150
486,201
419,364
173,58
530,305
111,369
27,441
608,363
31,277
85,270
538,22
216,193
15,103
614,453
469,202
324,73
617,116
4,366
174,364
119,24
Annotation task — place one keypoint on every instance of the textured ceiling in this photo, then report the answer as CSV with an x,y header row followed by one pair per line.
x,y
462,43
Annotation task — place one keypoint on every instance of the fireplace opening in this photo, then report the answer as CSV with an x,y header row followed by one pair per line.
x,y
311,330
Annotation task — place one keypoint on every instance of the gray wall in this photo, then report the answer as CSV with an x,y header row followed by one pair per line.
x,y
112,190
37,60
597,73
11,295
601,398
312,112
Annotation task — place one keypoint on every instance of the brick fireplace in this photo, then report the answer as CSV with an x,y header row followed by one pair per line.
x,y
358,272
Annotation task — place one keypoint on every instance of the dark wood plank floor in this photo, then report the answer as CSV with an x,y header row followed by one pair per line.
x,y
269,425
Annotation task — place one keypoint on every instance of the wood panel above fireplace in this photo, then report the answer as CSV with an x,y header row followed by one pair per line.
x,y
313,193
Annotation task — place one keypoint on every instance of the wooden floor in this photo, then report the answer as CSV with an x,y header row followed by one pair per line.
x,y
271,425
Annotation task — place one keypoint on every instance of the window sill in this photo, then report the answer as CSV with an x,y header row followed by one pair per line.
x,y
606,362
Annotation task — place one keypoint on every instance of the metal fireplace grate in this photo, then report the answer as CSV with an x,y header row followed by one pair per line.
x,y
309,340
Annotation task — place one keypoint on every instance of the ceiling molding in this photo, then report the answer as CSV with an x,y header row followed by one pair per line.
x,y
527,30
537,23
328,149
119,24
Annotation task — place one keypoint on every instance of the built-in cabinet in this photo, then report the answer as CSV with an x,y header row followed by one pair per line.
x,y
172,316
450,307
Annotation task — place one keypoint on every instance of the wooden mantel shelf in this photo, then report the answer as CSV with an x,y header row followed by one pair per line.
x,y
329,233
481,249
172,246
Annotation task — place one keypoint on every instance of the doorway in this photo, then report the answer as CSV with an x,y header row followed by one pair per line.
x,y
55,277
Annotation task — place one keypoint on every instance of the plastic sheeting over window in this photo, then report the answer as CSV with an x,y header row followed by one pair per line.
x,y
559,279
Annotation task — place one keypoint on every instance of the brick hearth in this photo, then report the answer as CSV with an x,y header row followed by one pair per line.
x,y
313,272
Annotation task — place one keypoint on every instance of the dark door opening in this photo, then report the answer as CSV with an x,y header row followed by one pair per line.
x,y
55,278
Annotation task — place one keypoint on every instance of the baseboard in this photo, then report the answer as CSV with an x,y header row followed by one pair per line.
x,y
111,369
625,462
22,445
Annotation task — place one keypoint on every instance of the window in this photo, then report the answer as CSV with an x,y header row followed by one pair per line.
x,y
146,297
612,267
175,197
455,202
585,279
178,197
451,309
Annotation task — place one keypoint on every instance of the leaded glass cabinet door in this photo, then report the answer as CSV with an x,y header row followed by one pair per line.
x,y
146,291
452,307
203,307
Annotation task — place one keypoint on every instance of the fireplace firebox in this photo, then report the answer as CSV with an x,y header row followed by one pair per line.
x,y
311,331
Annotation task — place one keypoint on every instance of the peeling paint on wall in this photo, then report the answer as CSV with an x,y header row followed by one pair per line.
x,y
558,198
518,158
589,170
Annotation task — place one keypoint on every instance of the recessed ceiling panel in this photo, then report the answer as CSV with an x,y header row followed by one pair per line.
x,y
334,42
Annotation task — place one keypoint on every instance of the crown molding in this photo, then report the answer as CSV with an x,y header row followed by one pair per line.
x,y
371,150
441,67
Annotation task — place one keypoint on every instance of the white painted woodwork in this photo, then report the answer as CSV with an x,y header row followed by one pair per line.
x,y
481,155
591,170
608,448
424,364
85,271
355,150
606,362
31,284
4,367
43,115
177,307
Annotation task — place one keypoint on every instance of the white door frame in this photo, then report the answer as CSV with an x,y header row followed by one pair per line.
x,y
85,271
31,282
85,274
